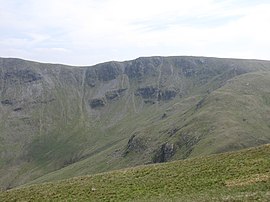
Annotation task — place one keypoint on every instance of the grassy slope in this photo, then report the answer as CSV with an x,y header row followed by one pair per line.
x,y
232,117
242,175
67,133
236,114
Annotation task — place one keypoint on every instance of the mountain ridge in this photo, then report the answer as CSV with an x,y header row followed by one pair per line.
x,y
141,57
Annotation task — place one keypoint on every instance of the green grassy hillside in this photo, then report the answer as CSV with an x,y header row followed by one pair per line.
x,y
234,176
233,117
59,121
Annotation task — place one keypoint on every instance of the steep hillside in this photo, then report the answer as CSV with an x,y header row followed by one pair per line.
x,y
82,120
235,176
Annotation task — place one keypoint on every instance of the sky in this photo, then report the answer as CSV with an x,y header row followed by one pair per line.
x,y
86,32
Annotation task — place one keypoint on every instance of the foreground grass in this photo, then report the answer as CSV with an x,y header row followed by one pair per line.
x,y
243,175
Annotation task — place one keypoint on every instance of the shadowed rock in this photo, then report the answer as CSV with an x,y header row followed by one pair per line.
x,y
167,94
7,102
114,94
151,92
97,102
102,72
108,71
17,109
149,102
22,76
163,154
91,77
135,144
148,92
141,67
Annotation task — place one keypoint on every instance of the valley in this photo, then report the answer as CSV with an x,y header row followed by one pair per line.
x,y
60,121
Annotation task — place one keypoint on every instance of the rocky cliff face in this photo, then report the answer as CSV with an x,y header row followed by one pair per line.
x,y
52,114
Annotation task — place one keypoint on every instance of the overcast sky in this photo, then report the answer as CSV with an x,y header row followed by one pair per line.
x,y
85,32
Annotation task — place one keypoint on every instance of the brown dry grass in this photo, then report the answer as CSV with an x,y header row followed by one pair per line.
x,y
248,181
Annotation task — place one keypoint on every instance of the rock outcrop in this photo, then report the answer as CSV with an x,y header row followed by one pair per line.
x,y
7,102
148,92
135,144
114,94
167,94
97,103
153,93
164,153
21,76
102,73
140,68
108,71
91,77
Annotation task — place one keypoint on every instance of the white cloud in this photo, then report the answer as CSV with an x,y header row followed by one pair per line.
x,y
92,31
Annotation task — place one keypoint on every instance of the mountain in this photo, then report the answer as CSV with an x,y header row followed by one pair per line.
x,y
235,176
59,121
